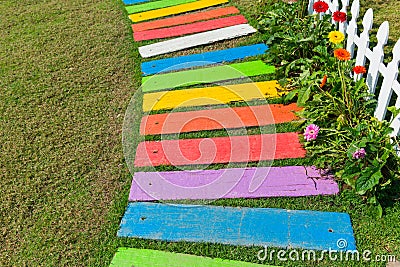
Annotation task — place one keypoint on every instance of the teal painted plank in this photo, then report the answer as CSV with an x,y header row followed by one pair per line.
x,y
128,257
203,59
155,5
132,2
205,75
238,226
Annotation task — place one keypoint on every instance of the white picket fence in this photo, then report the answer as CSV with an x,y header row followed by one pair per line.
x,y
375,56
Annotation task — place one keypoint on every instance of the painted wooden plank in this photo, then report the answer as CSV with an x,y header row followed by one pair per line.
x,y
193,40
155,5
238,226
128,257
219,150
132,2
185,19
215,95
180,30
202,59
167,11
214,119
205,75
288,181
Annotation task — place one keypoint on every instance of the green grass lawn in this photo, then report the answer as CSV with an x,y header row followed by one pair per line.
x,y
68,70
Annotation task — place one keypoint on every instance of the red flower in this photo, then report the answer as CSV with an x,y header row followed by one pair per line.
x,y
342,54
323,82
320,6
359,69
339,16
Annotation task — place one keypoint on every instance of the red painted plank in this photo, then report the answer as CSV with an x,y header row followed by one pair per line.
x,y
189,28
219,150
223,118
185,19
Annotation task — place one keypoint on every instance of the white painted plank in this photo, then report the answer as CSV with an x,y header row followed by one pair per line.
x,y
195,40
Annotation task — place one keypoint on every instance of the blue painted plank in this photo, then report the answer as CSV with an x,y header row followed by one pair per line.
x,y
203,59
132,2
238,226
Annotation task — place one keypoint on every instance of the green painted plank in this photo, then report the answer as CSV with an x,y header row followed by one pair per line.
x,y
155,5
205,75
128,257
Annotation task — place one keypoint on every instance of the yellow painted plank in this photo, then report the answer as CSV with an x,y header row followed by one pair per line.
x,y
162,12
209,95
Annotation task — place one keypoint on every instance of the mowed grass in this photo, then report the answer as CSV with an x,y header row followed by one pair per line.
x,y
68,71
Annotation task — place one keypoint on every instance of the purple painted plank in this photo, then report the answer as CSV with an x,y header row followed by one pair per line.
x,y
290,181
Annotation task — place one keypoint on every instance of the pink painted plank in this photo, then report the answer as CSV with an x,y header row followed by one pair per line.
x,y
213,119
290,181
219,150
189,28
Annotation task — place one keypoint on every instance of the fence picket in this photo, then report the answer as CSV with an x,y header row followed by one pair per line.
x,y
390,74
377,56
352,27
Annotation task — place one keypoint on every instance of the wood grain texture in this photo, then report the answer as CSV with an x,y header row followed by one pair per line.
x,y
202,59
237,226
214,119
209,95
205,75
197,39
185,19
196,27
289,181
219,150
167,11
155,5
128,257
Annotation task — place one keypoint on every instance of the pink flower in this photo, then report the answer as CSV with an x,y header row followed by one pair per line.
x,y
311,132
359,154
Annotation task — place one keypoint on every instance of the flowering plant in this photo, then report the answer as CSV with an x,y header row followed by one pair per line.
x,y
351,142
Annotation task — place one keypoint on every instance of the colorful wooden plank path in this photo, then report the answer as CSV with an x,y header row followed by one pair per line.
x,y
193,40
128,257
289,181
167,11
214,119
155,5
238,226
185,19
132,2
209,95
202,59
219,150
189,28
205,75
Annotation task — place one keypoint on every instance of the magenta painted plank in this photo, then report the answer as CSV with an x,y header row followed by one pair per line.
x,y
189,28
290,181
219,150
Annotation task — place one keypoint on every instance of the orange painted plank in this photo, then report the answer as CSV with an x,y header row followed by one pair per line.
x,y
219,150
214,119
197,27
185,19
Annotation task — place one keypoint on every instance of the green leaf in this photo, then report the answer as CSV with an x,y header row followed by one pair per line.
x,y
366,182
378,211
290,96
303,96
395,111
